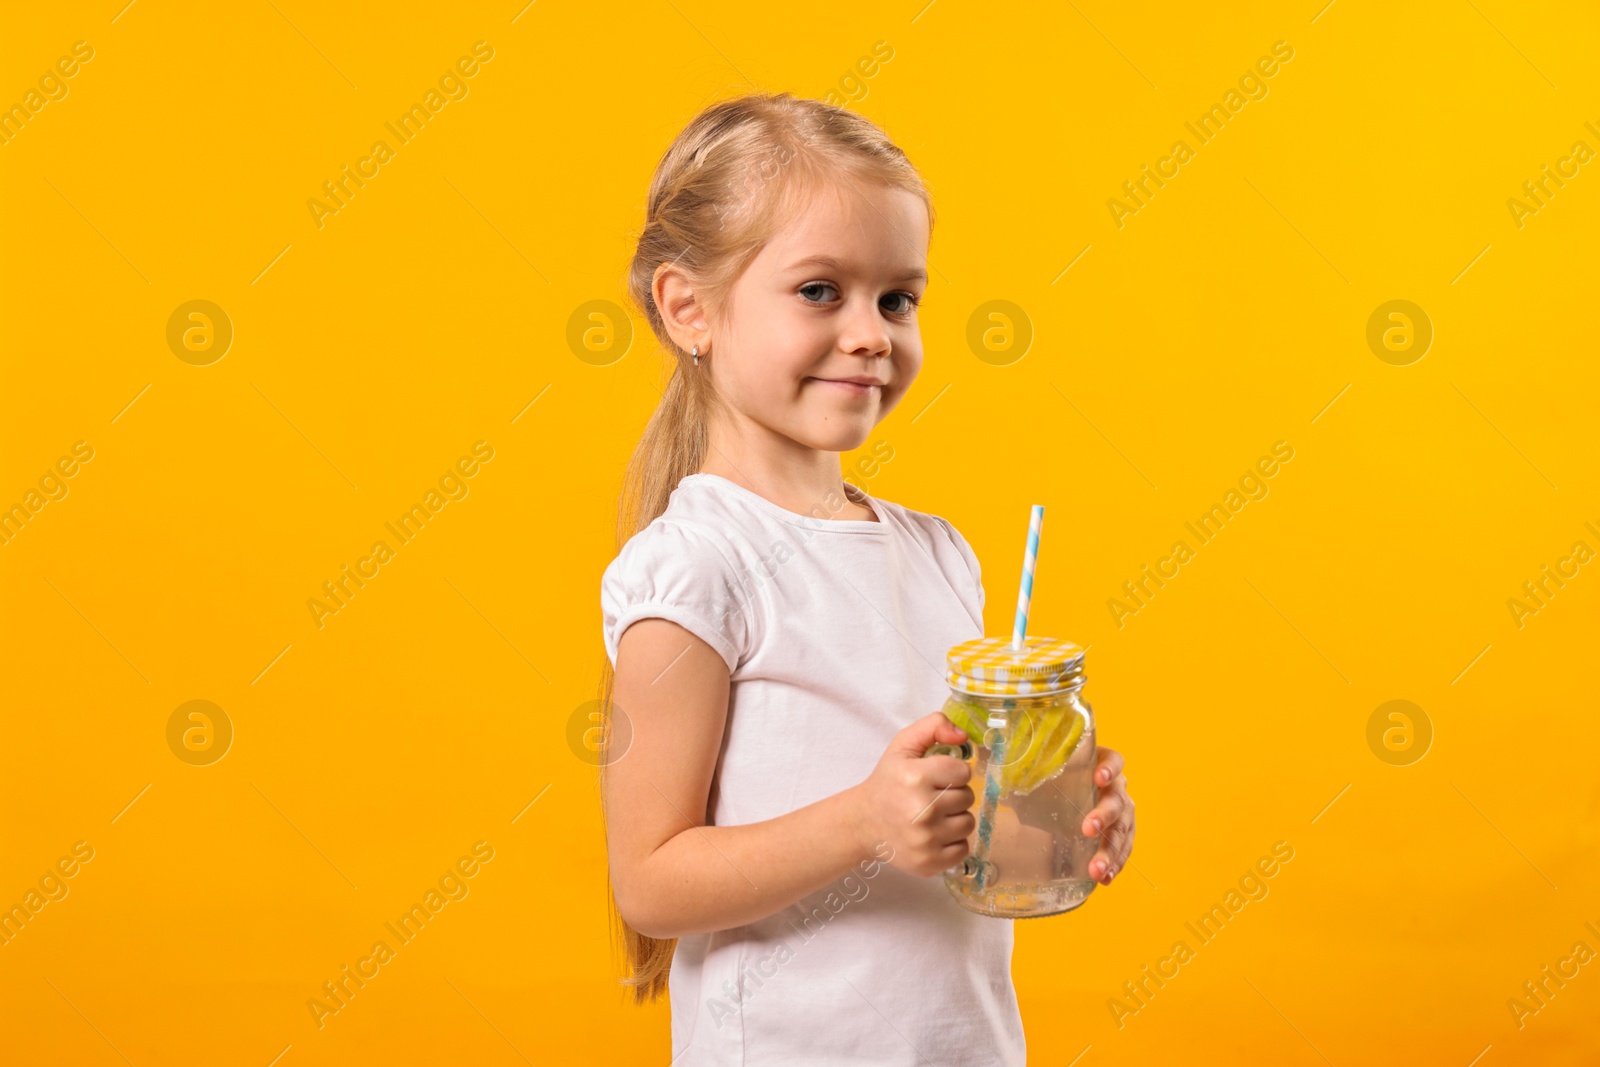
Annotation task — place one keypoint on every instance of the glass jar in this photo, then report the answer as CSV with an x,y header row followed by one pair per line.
x,y
1032,754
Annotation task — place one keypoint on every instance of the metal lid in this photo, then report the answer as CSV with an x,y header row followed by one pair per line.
x,y
987,666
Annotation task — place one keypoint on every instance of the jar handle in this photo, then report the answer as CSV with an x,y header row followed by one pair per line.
x,y
962,751
968,867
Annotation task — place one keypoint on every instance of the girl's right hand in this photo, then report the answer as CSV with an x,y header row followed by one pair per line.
x,y
919,805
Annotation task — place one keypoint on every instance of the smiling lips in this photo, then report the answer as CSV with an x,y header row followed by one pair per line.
x,y
853,386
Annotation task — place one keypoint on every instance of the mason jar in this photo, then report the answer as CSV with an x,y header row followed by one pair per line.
x,y
1032,755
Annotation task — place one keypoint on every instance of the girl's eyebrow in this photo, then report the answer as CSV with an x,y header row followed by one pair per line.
x,y
821,260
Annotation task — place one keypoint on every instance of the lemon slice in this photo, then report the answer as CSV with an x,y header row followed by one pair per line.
x,y
1059,748
970,717
1027,738
1040,744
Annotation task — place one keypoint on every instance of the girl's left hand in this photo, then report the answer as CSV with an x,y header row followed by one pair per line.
x,y
1112,818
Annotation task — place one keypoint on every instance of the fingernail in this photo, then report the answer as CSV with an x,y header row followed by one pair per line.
x,y
1094,826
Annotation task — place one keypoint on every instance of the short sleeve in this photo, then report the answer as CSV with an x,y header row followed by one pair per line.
x,y
673,572
967,554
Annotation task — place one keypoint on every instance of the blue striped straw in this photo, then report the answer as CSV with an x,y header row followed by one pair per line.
x,y
996,735
1025,594
999,732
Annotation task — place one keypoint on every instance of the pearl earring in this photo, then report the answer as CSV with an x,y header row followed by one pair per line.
x,y
696,354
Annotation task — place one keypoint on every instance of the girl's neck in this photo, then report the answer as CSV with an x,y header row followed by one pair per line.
x,y
799,479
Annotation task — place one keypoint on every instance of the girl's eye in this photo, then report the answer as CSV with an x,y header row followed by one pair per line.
x,y
813,292
912,302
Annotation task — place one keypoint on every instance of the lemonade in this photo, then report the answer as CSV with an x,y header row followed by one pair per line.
x,y
1032,756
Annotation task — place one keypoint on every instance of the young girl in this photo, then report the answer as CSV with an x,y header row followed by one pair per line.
x,y
775,833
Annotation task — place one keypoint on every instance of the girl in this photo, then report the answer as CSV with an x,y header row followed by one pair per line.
x,y
777,635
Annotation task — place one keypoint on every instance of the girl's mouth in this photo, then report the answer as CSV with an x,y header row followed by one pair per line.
x,y
853,387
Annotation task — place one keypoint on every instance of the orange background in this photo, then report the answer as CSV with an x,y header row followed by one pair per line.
x,y
368,355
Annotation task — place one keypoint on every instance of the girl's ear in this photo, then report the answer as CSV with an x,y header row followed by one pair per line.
x,y
681,310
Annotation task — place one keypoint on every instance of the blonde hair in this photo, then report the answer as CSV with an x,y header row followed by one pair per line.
x,y
736,174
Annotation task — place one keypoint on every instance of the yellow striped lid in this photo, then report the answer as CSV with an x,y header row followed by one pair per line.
x,y
987,666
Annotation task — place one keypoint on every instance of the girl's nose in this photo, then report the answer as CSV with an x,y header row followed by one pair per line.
x,y
863,332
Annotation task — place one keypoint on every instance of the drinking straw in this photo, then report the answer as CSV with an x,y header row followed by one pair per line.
x,y
1025,594
999,719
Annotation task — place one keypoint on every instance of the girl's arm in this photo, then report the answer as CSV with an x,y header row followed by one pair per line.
x,y
673,875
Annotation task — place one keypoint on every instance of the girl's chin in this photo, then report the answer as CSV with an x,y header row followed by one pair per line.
x,y
839,436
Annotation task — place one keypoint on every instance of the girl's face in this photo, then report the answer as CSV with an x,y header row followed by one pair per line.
x,y
831,299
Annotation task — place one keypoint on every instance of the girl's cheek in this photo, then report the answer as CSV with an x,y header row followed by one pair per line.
x,y
909,370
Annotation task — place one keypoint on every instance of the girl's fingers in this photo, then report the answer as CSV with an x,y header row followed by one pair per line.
x,y
953,801
1106,813
945,772
1116,838
1112,855
1121,843
1108,766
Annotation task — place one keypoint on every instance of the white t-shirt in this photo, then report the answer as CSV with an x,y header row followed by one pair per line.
x,y
835,634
